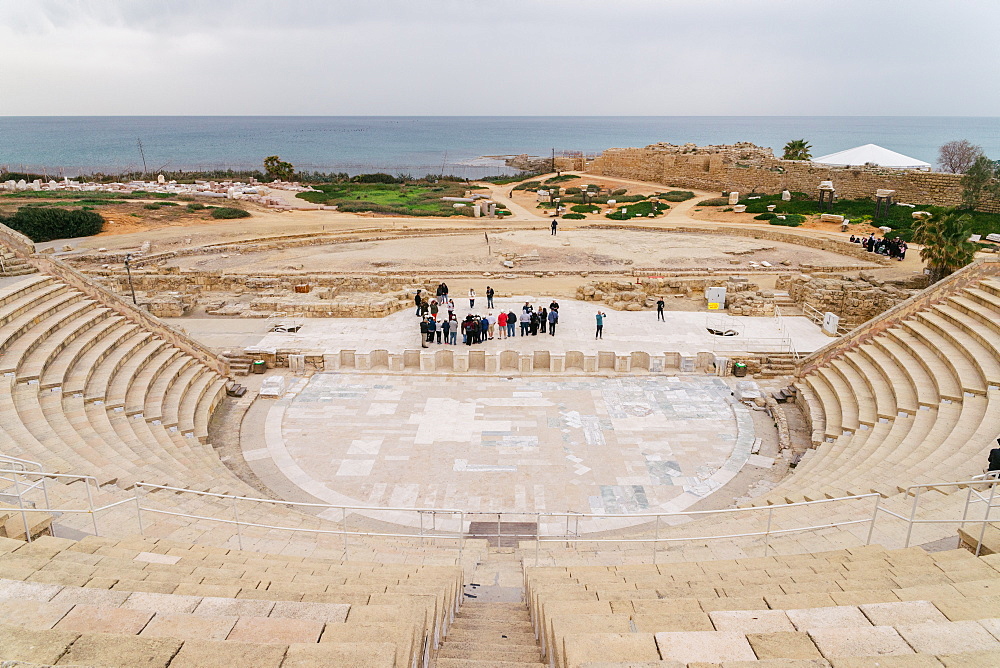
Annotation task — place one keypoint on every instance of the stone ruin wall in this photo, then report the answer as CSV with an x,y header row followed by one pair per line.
x,y
748,168
854,299
174,294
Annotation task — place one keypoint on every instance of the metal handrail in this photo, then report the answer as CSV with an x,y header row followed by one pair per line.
x,y
570,536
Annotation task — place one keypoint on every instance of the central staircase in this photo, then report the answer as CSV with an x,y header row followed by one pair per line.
x,y
490,635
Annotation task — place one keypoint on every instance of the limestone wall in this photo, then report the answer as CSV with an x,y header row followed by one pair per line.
x,y
16,241
748,168
855,300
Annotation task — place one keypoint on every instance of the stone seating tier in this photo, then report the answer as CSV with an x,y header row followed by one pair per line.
x,y
916,403
858,606
156,603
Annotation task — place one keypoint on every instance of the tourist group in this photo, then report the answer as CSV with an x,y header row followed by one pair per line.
x,y
438,322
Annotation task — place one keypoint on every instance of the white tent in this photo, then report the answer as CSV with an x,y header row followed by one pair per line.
x,y
871,154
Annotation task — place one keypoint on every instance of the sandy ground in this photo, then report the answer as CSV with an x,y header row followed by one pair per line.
x,y
577,250
527,229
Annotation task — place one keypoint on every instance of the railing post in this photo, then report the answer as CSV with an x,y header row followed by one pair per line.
x,y
498,529
538,537
871,525
343,526
90,506
913,514
420,514
656,538
236,516
986,517
24,515
965,510
767,532
138,509
461,534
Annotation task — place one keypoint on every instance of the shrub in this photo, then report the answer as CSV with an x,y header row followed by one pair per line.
x,y
573,191
790,220
378,177
620,191
152,206
676,195
561,178
766,216
584,208
50,223
573,216
714,201
228,212
195,206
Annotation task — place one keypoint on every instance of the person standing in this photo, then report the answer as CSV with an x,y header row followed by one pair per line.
x,y
553,319
472,298
533,322
489,297
600,325
659,309
416,302
423,332
511,323
555,224
434,308
543,319
525,321
484,329
444,292
502,324
445,330
431,327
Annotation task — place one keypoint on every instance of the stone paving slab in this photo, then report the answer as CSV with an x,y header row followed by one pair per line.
x,y
519,445
624,331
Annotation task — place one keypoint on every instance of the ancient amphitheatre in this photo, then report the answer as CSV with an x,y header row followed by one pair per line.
x,y
548,475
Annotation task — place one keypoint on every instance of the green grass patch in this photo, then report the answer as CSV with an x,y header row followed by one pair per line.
x,y
676,195
899,218
406,199
584,208
562,178
788,220
638,210
573,216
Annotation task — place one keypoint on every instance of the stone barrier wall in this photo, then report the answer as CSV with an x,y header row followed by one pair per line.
x,y
743,169
872,328
131,312
16,241
855,300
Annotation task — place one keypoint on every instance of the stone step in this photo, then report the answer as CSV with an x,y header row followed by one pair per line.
x,y
492,625
498,636
489,652
487,663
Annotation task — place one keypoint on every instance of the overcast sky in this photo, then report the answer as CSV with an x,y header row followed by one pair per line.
x,y
500,57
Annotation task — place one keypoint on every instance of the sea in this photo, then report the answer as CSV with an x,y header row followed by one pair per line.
x,y
467,146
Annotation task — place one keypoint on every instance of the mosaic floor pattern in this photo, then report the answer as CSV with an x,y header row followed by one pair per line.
x,y
596,445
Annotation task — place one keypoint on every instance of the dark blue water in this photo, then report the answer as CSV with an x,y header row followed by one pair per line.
x,y
425,144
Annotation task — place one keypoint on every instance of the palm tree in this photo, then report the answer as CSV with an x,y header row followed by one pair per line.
x,y
945,239
797,149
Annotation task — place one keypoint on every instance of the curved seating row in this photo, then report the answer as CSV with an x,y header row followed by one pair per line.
x,y
156,603
846,607
917,403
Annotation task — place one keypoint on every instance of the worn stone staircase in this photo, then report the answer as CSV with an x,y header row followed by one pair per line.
x,y
774,365
239,364
490,635
12,265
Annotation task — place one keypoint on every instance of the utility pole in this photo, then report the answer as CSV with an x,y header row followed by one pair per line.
x,y
553,159
142,155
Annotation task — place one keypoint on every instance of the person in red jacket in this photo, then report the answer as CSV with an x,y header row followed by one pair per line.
x,y
502,324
